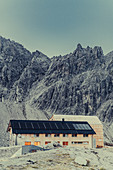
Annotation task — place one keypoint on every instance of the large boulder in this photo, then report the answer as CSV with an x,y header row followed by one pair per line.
x,y
81,161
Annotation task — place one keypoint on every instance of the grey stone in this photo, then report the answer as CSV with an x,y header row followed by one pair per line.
x,y
81,161
52,145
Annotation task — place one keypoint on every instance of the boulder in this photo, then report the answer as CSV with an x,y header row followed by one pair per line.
x,y
81,161
52,145
56,144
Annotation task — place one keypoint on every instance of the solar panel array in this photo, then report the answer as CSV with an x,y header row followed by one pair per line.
x,y
49,125
82,126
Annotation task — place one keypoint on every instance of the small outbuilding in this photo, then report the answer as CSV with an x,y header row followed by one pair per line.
x,y
42,132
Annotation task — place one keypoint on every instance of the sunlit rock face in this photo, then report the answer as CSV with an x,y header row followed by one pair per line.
x,y
33,86
13,60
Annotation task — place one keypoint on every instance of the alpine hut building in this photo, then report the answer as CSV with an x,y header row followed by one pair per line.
x,y
42,132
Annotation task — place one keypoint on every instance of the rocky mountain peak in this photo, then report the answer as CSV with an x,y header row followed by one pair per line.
x,y
91,53
79,46
78,62
98,51
41,57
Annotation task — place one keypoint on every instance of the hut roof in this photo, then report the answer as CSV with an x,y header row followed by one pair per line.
x,y
45,127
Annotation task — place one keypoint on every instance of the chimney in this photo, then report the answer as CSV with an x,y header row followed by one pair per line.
x,y
62,119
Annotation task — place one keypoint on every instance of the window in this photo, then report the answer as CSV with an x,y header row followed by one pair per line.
x,y
80,142
27,143
86,142
65,135
46,142
73,142
74,135
47,135
85,135
65,143
56,135
36,143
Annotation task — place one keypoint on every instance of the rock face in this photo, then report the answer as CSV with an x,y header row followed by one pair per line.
x,y
77,83
34,72
73,81
13,60
35,86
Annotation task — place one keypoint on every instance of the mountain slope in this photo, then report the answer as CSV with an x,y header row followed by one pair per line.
x,y
13,60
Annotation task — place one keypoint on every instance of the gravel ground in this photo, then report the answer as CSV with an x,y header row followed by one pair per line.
x,y
59,159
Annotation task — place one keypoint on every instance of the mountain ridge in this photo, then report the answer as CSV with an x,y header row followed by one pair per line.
x,y
34,86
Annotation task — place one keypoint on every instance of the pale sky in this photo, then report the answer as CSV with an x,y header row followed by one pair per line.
x,y
55,27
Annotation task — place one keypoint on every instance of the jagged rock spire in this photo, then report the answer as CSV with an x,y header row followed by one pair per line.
x,y
79,46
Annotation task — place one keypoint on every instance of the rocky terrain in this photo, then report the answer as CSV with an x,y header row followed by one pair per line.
x,y
58,159
34,86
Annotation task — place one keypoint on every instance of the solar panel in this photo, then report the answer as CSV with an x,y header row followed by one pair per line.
x,y
47,125
88,127
65,125
38,126
26,125
44,126
82,126
60,126
51,126
70,125
85,127
41,125
32,125
15,125
29,126
19,125
23,125
76,126
56,125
